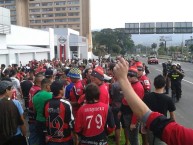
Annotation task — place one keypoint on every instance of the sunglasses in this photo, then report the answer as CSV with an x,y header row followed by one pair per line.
x,y
139,68
132,74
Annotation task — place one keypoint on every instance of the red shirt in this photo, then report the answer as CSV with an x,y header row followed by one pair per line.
x,y
173,133
32,91
139,90
104,94
91,121
145,82
75,93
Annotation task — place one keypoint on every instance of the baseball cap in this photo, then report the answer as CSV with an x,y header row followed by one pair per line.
x,y
139,66
74,73
4,85
98,72
48,72
132,71
107,78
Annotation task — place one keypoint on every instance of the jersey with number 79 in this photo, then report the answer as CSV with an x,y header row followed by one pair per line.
x,y
92,121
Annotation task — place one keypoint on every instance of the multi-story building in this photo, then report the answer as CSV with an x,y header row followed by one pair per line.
x,y
40,14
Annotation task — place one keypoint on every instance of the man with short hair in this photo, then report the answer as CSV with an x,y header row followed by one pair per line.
x,y
97,77
116,100
12,127
17,86
130,122
159,102
33,139
145,81
94,119
39,101
59,118
77,89
49,74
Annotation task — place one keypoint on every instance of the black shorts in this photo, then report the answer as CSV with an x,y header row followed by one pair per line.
x,y
116,119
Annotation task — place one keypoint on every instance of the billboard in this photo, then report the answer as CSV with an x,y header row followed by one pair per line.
x,y
183,27
164,28
159,28
132,28
147,28
165,38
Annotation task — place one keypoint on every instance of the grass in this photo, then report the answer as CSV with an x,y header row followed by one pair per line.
x,y
111,140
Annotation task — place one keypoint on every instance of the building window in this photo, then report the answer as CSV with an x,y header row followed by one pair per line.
x,y
35,16
47,4
59,3
9,1
13,18
60,15
73,8
34,10
10,7
47,10
60,9
50,26
48,21
34,5
35,21
73,2
60,20
13,12
60,26
47,15
73,19
74,14
13,22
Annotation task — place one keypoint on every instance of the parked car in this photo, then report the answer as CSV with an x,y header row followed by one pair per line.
x,y
152,59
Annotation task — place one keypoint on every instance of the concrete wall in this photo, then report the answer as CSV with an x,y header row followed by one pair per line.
x,y
27,36
3,59
3,41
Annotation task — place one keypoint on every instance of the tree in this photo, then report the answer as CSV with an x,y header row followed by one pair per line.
x,y
191,48
153,46
161,44
113,40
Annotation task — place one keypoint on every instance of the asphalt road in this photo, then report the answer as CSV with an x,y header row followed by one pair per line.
x,y
184,108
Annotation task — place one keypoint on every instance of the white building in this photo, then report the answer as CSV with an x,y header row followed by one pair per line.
x,y
26,44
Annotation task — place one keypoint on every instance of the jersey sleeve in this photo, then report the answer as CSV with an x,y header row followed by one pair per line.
x,y
78,122
169,131
68,116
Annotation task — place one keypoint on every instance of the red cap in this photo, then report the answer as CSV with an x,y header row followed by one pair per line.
x,y
133,69
139,64
98,72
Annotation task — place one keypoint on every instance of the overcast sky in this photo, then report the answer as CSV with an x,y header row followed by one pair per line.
x,y
115,13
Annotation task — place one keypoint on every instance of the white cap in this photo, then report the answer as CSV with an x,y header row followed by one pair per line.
x,y
106,77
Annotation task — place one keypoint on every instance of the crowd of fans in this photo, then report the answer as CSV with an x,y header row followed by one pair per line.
x,y
77,102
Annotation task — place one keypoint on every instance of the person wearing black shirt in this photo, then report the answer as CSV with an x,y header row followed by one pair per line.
x,y
159,102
